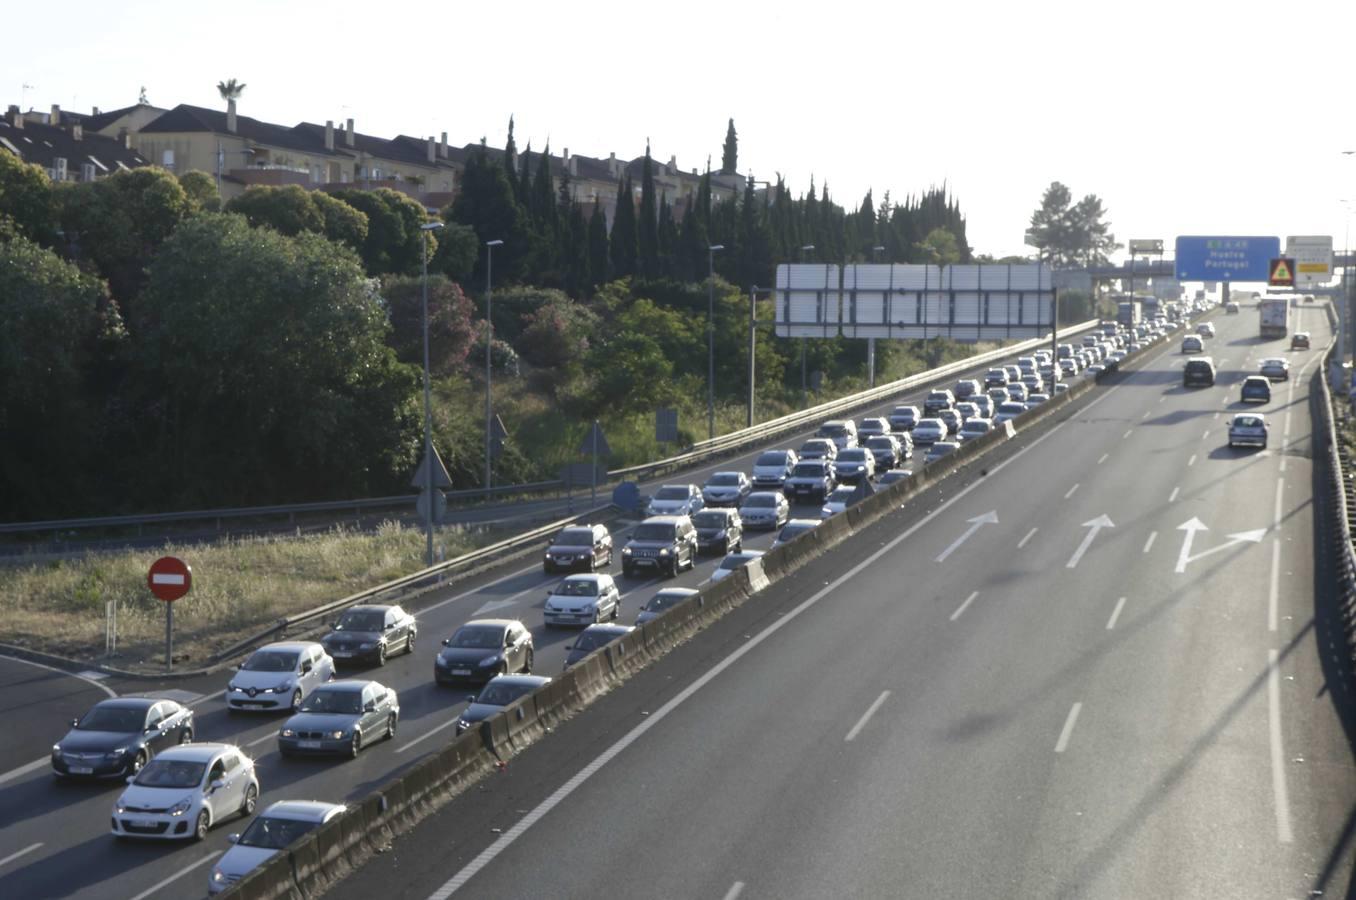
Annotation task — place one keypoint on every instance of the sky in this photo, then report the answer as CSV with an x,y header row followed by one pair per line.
x,y
1185,117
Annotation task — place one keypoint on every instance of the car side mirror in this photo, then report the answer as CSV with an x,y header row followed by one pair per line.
x,y
233,838
447,642
305,668
131,778
470,698
569,646
240,665
218,785
370,706
74,722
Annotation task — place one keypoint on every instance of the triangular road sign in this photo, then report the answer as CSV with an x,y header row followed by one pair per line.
x,y
588,446
441,479
1282,272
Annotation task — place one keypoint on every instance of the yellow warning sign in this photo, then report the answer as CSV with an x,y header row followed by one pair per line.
x,y
1282,272
1313,268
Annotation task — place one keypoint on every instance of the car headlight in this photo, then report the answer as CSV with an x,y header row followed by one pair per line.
x,y
664,552
181,807
462,724
218,876
120,806
626,551
337,735
492,659
56,749
117,751
283,686
289,732
232,686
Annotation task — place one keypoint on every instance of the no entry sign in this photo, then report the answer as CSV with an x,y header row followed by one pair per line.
x,y
169,578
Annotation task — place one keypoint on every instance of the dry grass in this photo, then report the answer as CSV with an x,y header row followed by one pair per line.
x,y
239,586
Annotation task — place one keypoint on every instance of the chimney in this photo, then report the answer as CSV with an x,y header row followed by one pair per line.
x,y
612,165
56,115
13,116
329,134
77,132
348,133
432,150
442,148
126,137
96,111
230,116
673,164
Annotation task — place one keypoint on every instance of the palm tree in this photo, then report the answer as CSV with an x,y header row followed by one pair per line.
x,y
230,90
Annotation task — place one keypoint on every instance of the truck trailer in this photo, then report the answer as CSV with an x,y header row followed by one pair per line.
x,y
1273,317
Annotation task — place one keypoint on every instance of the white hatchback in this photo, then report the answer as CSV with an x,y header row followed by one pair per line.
x,y
583,600
183,792
279,676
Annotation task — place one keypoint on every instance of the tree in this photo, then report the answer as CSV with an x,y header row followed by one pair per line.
x,y
288,210
729,158
599,270
394,240
1091,232
451,325
647,237
940,248
54,322
511,161
623,239
201,189
487,204
556,335
457,250
229,90
26,199
343,223
264,371
1050,230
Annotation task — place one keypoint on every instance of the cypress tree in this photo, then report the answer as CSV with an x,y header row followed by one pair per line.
x,y
524,182
623,241
510,159
692,255
543,203
648,226
668,239
729,158
598,261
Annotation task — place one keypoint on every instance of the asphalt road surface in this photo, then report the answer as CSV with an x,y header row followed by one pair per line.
x,y
1015,728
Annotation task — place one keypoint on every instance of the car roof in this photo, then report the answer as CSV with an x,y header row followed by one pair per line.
x,y
681,487
347,685
663,520
744,554
128,702
302,810
583,577
498,623
291,646
678,592
609,628
1250,415
371,607
527,680
194,752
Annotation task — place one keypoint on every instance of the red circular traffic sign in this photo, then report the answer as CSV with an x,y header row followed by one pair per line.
x,y
169,578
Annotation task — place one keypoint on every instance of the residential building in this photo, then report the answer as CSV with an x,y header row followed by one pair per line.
x,y
67,153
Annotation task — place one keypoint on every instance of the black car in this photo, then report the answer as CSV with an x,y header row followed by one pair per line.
x,y
1256,389
1199,372
587,547
482,649
718,530
119,736
371,633
661,543
592,638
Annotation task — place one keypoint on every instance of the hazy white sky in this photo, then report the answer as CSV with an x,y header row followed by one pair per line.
x,y
1186,117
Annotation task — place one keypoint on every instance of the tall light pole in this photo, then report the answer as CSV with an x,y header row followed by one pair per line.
x,y
428,406
711,338
489,339
871,341
804,381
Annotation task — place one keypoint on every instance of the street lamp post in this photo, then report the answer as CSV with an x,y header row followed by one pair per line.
x,y
489,340
711,338
428,406
804,381
871,341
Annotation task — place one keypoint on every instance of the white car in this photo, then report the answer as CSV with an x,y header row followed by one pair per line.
x,y
765,509
272,830
734,561
183,792
279,676
1009,411
975,428
676,500
928,430
583,600
838,501
1206,330
1276,368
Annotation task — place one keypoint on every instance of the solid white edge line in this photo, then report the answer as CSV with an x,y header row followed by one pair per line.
x,y
1150,542
735,890
177,875
1115,614
28,662
1278,785
25,769
1070,492
1067,731
13,856
1029,535
430,733
1273,600
964,606
866,716
507,838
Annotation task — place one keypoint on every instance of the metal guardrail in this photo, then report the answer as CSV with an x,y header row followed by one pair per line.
x,y
701,450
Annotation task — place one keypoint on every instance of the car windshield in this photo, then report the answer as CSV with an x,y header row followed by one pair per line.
x,y
1273,362
772,458
855,455
793,531
478,637
592,640
709,519
171,773
332,701
103,718
1012,408
808,470
575,537
569,588
975,426
842,494
364,620
672,493
833,430
662,601
270,661
734,561
760,500
1248,422
904,411
270,833
880,442
656,531
502,694
925,424
723,479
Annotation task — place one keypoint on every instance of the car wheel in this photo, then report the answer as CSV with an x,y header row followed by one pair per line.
x,y
616,607
391,726
200,827
296,699
355,744
186,736
381,654
527,662
409,642
251,801
137,763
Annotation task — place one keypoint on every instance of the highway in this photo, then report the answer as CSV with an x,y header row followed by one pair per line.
x,y
1016,727
1062,708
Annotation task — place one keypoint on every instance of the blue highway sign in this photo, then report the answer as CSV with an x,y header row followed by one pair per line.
x,y
1226,258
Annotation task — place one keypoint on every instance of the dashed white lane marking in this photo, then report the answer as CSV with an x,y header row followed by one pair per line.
x,y
1275,593
1287,423
1192,461
1215,416
1150,542
1064,735
1029,535
428,734
1283,463
1070,492
24,769
177,875
13,856
960,609
1205,434
1172,498
866,716
735,890
1128,432
1163,398
1103,458
259,740
1146,414
1278,785
1115,614
477,590
1280,490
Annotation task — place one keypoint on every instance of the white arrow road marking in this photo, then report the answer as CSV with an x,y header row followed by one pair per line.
x,y
1193,525
989,518
495,604
1093,527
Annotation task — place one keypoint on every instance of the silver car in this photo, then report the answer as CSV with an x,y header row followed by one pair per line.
x,y
734,561
583,600
726,489
663,601
1248,429
929,430
341,717
274,829
765,509
676,500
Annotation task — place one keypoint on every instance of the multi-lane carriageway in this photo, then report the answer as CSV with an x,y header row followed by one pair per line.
x,y
1081,699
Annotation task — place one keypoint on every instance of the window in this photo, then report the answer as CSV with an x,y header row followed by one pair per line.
x,y
167,159
87,172
155,716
